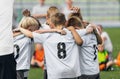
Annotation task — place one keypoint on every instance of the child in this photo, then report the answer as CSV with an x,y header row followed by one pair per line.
x,y
61,51
38,57
23,46
117,61
88,52
102,57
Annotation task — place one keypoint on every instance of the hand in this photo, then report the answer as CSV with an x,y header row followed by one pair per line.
x,y
62,32
26,12
89,28
16,30
71,28
75,9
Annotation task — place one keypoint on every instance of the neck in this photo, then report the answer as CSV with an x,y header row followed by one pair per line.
x,y
59,27
78,27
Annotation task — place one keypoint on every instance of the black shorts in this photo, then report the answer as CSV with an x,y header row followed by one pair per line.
x,y
45,74
96,76
7,67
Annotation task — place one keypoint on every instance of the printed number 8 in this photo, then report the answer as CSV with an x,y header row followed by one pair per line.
x,y
61,50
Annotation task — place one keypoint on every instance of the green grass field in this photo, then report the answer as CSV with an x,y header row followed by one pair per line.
x,y
114,33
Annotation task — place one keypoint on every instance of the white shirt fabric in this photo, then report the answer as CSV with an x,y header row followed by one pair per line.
x,y
6,37
45,26
68,67
88,54
40,9
66,11
107,43
25,50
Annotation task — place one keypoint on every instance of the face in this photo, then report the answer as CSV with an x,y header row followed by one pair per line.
x,y
100,48
51,24
42,1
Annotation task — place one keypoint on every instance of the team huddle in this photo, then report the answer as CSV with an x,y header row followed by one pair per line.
x,y
70,45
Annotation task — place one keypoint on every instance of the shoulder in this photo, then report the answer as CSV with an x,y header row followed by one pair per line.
x,y
45,26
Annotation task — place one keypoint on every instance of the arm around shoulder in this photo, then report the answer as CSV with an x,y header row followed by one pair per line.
x,y
26,32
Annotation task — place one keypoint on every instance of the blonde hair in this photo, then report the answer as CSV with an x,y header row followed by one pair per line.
x,y
51,11
29,22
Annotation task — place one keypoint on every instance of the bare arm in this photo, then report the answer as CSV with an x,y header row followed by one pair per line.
x,y
51,30
76,36
99,39
26,32
39,15
16,33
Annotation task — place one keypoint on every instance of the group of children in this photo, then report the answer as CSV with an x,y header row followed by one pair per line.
x,y
70,46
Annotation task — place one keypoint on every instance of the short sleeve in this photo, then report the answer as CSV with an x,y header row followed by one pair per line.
x,y
39,38
82,32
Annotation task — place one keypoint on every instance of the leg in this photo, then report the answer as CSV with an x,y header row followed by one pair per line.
x,y
20,74
96,76
45,74
7,67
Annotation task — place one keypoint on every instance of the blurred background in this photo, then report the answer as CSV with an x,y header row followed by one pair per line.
x,y
105,12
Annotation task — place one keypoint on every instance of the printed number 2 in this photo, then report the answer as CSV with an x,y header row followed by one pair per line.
x,y
95,48
16,52
61,50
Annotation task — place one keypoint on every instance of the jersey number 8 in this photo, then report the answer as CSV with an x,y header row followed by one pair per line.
x,y
61,50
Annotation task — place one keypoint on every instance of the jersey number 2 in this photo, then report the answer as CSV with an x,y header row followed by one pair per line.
x,y
61,50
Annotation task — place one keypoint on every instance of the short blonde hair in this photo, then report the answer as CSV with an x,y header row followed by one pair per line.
x,y
51,11
30,23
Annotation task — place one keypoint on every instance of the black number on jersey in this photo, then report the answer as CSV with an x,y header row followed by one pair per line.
x,y
61,50
95,48
16,52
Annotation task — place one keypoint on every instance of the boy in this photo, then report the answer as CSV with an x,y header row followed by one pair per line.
x,y
104,63
23,46
61,51
88,51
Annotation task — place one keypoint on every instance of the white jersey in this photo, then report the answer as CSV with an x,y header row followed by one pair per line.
x,y
23,50
61,53
6,36
45,26
107,43
88,54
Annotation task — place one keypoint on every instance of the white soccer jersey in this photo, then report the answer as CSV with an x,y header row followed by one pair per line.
x,y
45,26
23,50
88,55
61,53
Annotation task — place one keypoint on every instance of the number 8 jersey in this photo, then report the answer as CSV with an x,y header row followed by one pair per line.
x,y
61,53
